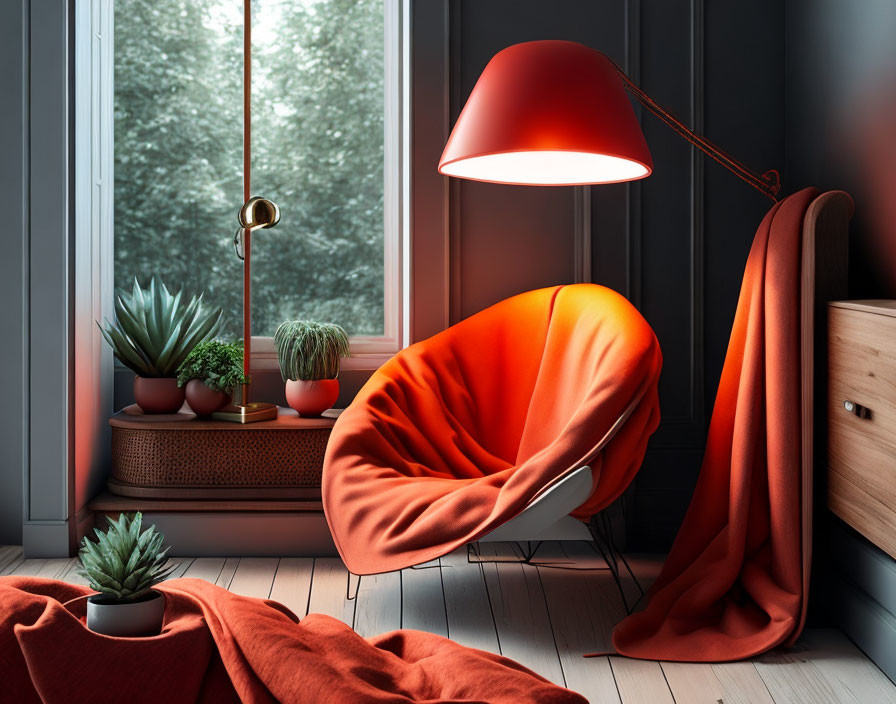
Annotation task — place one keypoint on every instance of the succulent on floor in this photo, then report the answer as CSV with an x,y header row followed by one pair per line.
x,y
153,331
125,562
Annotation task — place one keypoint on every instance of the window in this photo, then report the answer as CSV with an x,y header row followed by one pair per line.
x,y
326,147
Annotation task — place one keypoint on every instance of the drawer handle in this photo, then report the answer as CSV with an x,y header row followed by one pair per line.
x,y
857,409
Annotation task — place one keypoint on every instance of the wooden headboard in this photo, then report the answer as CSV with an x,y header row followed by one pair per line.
x,y
825,260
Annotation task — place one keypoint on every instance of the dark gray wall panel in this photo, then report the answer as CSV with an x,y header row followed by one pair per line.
x,y
841,74
716,66
676,243
13,193
510,239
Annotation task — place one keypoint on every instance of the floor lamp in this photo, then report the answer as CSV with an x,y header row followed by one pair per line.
x,y
555,113
256,214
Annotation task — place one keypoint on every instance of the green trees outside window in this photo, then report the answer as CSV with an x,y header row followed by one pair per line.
x,y
318,87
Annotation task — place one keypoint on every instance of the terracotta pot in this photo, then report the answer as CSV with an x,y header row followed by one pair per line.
x,y
128,619
311,398
158,395
203,400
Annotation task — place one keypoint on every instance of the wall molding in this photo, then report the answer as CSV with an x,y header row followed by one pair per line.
x,y
14,203
429,256
632,66
48,481
692,424
582,234
93,282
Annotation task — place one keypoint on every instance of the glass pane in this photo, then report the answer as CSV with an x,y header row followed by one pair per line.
x,y
178,146
317,151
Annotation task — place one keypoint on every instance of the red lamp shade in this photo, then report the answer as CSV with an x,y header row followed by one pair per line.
x,y
548,113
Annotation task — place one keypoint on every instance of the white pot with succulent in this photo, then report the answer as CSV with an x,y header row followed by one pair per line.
x,y
309,355
123,566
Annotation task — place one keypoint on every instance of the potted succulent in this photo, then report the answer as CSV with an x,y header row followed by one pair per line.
x,y
210,372
123,566
152,334
309,355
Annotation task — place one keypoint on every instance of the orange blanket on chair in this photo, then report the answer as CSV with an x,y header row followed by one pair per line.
x,y
456,434
217,647
732,585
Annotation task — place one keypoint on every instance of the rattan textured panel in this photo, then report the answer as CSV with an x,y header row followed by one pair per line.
x,y
214,458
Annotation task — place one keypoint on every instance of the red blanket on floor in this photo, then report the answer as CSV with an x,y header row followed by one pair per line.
x,y
456,434
219,647
732,585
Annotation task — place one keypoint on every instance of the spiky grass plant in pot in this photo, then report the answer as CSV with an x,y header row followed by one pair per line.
x,y
210,373
152,334
124,565
309,355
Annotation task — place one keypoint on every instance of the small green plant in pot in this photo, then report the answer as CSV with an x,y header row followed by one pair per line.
x,y
152,334
123,566
309,355
210,373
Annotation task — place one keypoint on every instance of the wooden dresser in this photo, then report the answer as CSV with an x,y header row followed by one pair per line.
x,y
862,418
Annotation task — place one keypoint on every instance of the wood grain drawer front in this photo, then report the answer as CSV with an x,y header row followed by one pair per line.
x,y
862,450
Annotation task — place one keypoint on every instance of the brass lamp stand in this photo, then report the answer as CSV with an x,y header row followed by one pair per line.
x,y
256,214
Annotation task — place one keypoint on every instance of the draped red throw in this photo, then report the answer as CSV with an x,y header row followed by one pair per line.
x,y
456,434
732,585
217,647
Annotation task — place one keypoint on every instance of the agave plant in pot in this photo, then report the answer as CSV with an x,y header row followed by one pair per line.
x,y
210,373
152,334
309,355
123,566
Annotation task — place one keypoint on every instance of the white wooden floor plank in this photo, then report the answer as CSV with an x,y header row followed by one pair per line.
x,y
26,568
641,682
379,604
794,676
49,568
292,584
227,571
328,590
71,575
731,683
207,568
182,564
581,622
69,572
847,668
422,599
824,667
469,613
521,615
10,556
742,680
254,577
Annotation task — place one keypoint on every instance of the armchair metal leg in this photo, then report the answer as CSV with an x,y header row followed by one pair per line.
x,y
474,556
602,532
348,586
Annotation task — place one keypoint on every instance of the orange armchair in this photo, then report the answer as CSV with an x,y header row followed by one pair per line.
x,y
458,434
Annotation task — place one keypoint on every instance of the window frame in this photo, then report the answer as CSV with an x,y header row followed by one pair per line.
x,y
368,352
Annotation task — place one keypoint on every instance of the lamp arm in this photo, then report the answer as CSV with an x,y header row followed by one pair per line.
x,y
768,183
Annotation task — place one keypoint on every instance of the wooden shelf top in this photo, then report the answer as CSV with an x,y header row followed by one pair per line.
x,y
107,502
881,306
132,418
